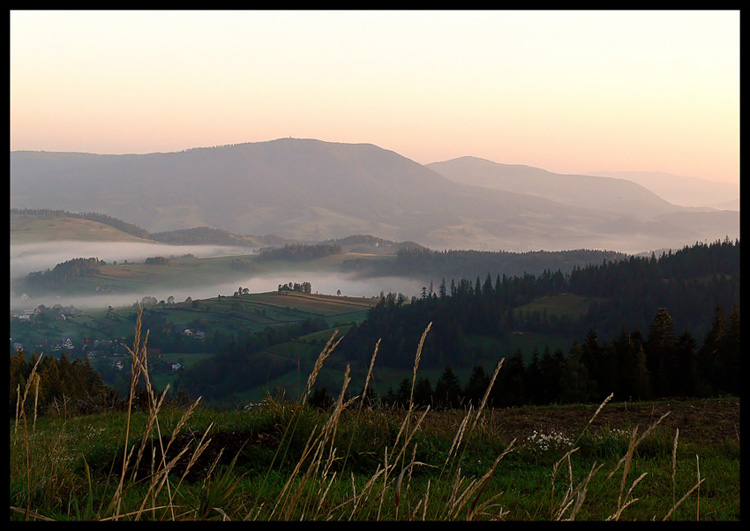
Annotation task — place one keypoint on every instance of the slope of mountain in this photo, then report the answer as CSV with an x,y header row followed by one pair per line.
x,y
584,191
305,189
28,227
684,191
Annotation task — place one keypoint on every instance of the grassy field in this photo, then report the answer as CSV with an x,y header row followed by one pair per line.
x,y
30,228
564,304
281,460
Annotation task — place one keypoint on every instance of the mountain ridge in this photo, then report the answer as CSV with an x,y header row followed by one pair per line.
x,y
573,189
309,189
683,190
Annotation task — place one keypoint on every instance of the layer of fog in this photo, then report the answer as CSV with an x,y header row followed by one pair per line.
x,y
38,257
326,284
31,257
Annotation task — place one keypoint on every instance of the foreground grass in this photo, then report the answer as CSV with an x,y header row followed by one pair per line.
x,y
288,461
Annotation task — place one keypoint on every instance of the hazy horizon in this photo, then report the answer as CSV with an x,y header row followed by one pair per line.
x,y
571,92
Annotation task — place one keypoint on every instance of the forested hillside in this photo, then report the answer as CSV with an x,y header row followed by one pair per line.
x,y
654,327
422,262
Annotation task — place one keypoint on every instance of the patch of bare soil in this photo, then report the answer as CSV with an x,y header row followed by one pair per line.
x,y
699,421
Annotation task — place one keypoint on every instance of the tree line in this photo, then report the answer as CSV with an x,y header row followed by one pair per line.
x,y
298,252
630,366
421,262
304,287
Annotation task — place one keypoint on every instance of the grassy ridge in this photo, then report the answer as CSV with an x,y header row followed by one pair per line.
x,y
34,228
284,460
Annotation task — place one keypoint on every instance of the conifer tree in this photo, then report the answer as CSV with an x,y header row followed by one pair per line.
x,y
447,390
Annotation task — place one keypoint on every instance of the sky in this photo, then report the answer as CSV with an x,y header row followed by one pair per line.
x,y
567,91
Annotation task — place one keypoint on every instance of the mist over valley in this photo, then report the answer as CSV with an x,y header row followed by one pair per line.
x,y
33,257
305,190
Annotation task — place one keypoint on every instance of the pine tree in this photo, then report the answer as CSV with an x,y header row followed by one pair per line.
x,y
730,348
423,392
711,366
476,386
661,353
575,382
510,388
447,390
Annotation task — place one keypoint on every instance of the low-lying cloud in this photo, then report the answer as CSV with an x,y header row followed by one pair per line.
x,y
30,257
38,257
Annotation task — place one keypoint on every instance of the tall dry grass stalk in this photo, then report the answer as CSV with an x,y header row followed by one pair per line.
x,y
362,401
698,501
624,501
596,413
574,496
674,465
160,467
21,408
695,487
329,347
458,438
416,362
634,443
282,449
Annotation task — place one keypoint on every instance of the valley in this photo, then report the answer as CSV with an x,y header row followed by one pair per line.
x,y
297,239
266,313
235,294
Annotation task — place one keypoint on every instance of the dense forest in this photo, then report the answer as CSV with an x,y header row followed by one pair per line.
x,y
631,367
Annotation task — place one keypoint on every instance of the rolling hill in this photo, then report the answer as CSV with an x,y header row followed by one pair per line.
x,y
34,227
306,189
